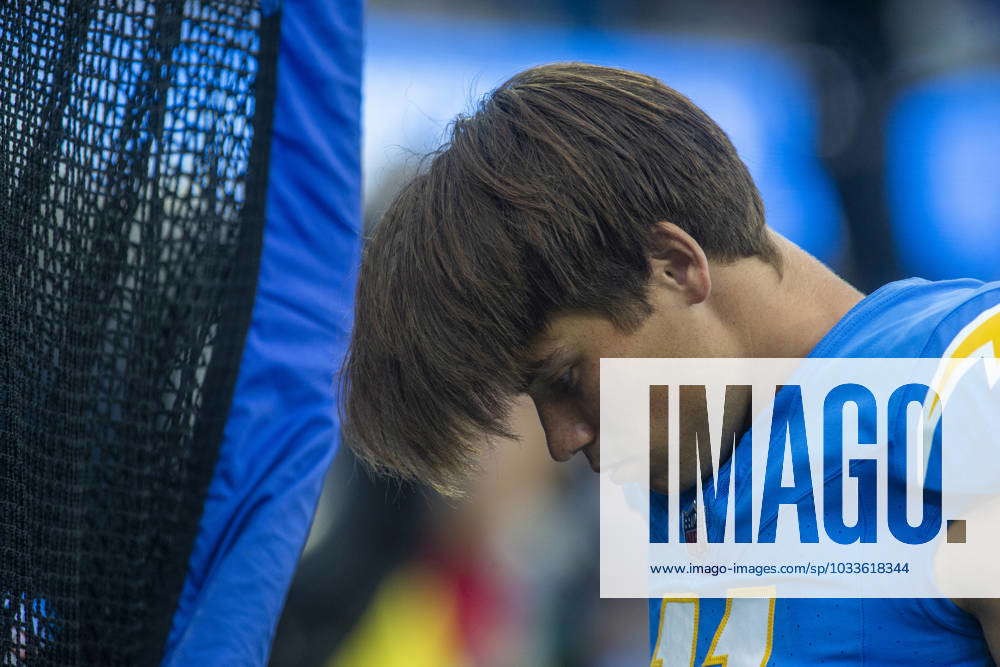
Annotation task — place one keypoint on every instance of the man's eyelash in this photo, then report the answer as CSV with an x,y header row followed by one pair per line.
x,y
566,381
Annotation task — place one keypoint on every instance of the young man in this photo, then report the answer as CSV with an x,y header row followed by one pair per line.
x,y
585,212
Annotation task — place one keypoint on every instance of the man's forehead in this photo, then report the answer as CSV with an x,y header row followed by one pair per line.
x,y
549,357
569,330
556,337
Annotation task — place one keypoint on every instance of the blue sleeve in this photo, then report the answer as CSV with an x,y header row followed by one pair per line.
x,y
282,429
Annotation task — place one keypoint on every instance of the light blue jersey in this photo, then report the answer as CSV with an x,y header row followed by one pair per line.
x,y
910,318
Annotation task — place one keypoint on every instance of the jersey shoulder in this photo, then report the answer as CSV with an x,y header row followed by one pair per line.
x,y
921,318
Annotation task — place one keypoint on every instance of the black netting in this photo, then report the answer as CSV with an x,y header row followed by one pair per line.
x,y
133,142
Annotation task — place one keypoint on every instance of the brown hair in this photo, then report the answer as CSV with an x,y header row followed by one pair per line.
x,y
542,201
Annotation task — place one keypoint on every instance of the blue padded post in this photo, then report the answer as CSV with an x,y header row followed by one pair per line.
x,y
282,429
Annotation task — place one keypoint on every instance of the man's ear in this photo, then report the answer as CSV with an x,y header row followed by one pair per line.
x,y
678,263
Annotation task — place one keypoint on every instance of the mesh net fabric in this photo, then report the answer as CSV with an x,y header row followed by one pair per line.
x,y
132,175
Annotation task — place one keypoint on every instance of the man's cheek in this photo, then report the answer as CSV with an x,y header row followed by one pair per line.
x,y
592,393
592,407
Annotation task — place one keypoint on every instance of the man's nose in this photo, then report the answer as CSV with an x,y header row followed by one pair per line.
x,y
566,431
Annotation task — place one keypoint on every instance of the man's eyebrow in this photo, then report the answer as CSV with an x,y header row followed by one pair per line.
x,y
548,368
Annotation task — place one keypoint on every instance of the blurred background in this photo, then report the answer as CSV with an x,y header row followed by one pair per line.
x,y
872,129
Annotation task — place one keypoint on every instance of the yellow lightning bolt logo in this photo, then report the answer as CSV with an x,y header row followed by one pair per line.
x,y
979,340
